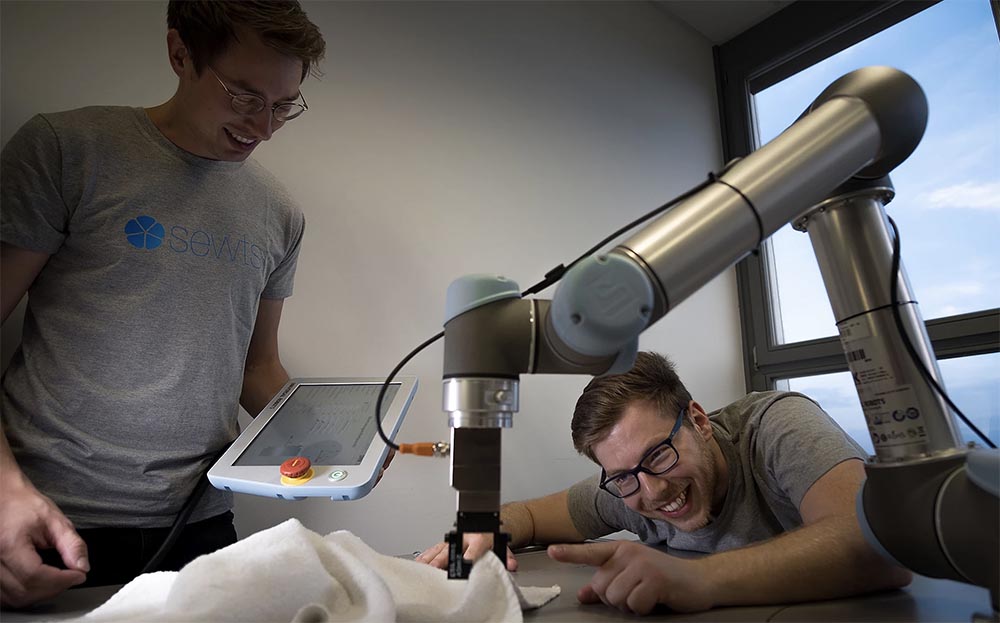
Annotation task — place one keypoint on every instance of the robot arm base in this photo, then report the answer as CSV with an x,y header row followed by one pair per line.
x,y
929,516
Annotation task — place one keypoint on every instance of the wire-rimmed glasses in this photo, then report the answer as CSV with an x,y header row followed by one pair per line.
x,y
251,104
659,459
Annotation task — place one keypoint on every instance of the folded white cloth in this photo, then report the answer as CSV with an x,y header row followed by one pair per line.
x,y
289,573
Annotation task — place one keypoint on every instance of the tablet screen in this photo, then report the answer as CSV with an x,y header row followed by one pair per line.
x,y
328,424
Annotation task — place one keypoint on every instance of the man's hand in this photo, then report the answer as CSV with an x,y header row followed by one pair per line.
x,y
29,521
635,578
475,546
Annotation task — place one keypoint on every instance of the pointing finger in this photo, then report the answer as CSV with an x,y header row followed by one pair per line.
x,y
593,554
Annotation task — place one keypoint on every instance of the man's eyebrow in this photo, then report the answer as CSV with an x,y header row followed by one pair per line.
x,y
246,88
645,453
289,99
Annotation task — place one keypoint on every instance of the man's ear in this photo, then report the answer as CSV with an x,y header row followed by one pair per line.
x,y
180,60
700,420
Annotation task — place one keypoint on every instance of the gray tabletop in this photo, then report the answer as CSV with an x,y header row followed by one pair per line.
x,y
70,605
925,600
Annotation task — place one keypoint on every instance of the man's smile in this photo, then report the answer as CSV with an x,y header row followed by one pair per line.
x,y
243,141
676,506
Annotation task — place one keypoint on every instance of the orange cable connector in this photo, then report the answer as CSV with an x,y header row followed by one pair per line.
x,y
426,448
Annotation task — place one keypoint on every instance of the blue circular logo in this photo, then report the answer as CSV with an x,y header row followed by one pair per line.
x,y
143,232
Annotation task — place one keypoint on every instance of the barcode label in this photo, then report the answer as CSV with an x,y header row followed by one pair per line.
x,y
856,355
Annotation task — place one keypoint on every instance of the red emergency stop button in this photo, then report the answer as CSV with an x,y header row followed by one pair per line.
x,y
295,467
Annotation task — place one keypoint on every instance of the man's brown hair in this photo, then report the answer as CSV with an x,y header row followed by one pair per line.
x,y
208,26
652,379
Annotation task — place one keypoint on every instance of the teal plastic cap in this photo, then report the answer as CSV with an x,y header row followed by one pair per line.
x,y
472,291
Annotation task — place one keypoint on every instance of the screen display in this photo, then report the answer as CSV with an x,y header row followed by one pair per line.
x,y
327,424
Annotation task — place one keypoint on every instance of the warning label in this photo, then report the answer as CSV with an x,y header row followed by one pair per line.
x,y
890,405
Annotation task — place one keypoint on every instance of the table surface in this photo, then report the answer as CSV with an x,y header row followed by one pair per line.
x,y
925,600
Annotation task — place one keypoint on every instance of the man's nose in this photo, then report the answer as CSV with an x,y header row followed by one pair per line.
x,y
263,124
651,485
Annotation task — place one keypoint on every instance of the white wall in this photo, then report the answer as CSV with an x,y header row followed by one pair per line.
x,y
444,139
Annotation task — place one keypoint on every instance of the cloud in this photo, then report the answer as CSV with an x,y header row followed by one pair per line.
x,y
942,298
967,195
955,289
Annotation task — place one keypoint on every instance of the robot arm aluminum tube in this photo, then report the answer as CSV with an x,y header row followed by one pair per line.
x,y
864,124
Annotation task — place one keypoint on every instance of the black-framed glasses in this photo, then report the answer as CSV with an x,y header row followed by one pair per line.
x,y
251,104
659,459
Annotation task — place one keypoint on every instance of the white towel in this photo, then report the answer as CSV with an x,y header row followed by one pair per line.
x,y
289,573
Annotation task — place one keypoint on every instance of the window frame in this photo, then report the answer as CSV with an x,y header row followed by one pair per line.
x,y
799,36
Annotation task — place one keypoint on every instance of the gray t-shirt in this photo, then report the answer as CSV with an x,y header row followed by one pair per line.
x,y
136,331
776,445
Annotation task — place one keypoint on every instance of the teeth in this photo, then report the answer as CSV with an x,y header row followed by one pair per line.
x,y
677,503
242,139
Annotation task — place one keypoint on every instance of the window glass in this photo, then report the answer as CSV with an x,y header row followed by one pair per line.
x,y
947,203
971,382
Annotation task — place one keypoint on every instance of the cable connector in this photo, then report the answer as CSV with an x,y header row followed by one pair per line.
x,y
438,449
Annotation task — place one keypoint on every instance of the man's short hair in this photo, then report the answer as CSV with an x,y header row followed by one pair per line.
x,y
652,379
208,26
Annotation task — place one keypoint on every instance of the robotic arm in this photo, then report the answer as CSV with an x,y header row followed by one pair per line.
x,y
929,503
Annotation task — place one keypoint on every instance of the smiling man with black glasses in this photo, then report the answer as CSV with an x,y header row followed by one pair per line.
x,y
765,487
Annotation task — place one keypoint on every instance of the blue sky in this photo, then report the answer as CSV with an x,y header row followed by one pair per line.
x,y
947,203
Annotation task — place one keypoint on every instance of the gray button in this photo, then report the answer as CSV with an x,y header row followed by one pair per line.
x,y
338,474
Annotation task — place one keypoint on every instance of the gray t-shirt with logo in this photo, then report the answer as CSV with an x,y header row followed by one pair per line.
x,y
776,444
136,331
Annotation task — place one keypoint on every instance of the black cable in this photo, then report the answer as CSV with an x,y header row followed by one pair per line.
x,y
897,317
179,523
550,278
388,380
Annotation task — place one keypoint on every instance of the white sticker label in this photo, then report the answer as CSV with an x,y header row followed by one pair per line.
x,y
890,406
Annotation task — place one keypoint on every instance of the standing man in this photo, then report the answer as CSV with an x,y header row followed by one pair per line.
x,y
765,486
156,255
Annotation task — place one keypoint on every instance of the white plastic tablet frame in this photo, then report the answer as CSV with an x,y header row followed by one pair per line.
x,y
265,480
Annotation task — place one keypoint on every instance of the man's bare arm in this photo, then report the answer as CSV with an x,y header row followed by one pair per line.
x,y
263,374
29,521
540,521
826,558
